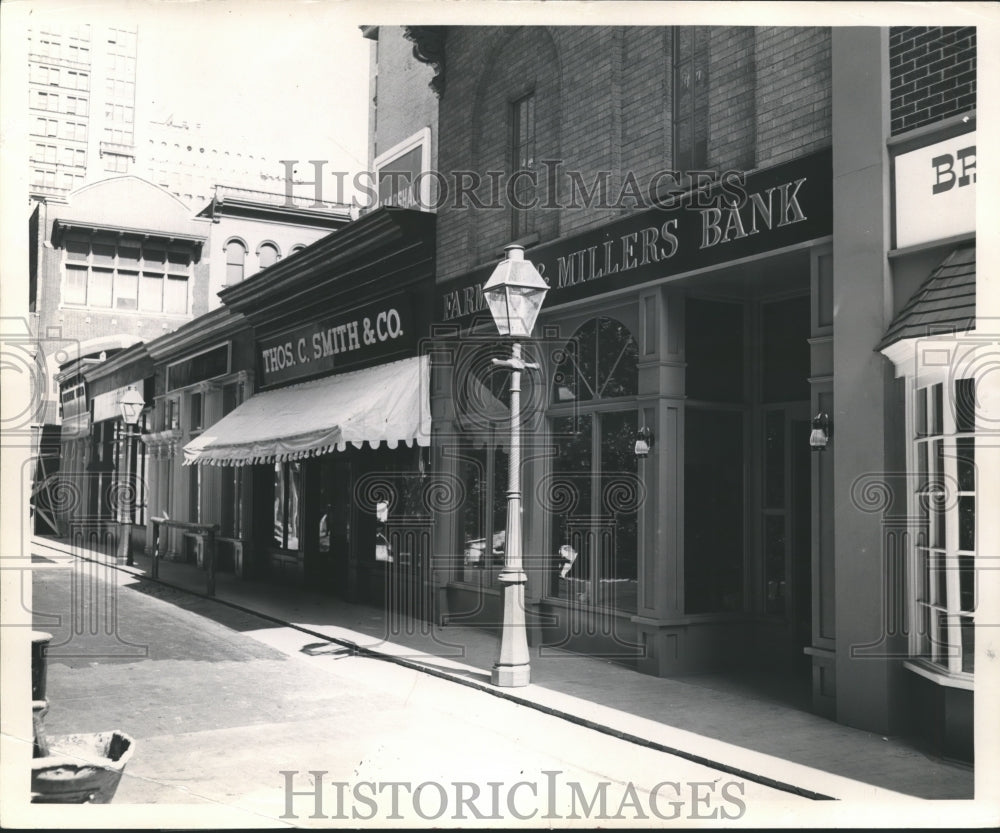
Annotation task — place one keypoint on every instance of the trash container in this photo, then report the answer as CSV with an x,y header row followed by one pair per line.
x,y
80,769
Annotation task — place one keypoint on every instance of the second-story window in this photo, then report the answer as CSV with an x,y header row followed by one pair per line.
x,y
236,255
267,255
522,168
690,98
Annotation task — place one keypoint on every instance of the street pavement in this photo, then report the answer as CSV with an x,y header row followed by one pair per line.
x,y
227,700
221,703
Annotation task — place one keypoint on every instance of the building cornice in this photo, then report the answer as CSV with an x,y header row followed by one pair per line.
x,y
326,264
220,323
428,48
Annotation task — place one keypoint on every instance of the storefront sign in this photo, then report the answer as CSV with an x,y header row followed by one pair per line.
x,y
935,193
399,171
108,405
378,330
773,208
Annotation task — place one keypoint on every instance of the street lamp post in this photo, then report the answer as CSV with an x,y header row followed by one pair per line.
x,y
514,294
131,405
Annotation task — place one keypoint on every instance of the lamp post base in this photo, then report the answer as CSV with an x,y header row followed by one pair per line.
x,y
511,676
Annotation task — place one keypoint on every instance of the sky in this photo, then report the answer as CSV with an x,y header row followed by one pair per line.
x,y
283,79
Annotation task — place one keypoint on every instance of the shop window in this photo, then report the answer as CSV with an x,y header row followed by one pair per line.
x,y
236,255
287,491
194,494
522,159
594,475
944,565
197,411
484,473
690,87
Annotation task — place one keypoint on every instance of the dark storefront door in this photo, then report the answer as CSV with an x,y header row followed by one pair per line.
x,y
333,524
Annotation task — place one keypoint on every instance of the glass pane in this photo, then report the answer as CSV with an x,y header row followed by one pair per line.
x,y
939,578
128,257
924,576
570,498
472,470
774,563
99,290
968,645
151,293
103,255
566,380
178,261
921,449
965,405
77,249
126,290
936,410
620,489
774,459
278,536
966,450
967,582
967,523
498,531
617,357
76,284
922,625
294,491
175,295
685,41
234,273
713,510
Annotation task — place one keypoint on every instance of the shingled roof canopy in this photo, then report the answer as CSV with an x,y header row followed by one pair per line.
x,y
946,303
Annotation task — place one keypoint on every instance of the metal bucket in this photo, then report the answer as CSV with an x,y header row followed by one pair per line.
x,y
80,769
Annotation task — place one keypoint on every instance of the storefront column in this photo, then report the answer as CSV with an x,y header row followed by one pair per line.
x,y
445,533
861,375
661,570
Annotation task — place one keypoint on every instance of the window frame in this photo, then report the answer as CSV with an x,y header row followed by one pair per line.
x,y
686,159
937,537
522,156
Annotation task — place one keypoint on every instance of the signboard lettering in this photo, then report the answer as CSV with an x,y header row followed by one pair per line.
x,y
935,191
780,206
376,330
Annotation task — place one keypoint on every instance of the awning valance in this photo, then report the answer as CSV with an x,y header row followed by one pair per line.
x,y
389,403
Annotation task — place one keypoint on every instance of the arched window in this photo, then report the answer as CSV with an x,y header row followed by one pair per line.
x,y
298,247
267,255
599,362
236,255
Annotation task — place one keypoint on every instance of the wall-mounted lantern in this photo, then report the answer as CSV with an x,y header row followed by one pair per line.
x,y
643,441
821,431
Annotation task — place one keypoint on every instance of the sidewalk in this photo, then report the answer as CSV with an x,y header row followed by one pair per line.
x,y
711,718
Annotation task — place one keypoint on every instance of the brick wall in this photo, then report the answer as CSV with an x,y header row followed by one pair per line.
x,y
932,71
793,92
604,103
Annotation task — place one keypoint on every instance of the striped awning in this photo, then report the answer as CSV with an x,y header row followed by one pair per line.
x,y
386,404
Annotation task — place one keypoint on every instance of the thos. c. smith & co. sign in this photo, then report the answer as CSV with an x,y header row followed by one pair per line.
x,y
382,329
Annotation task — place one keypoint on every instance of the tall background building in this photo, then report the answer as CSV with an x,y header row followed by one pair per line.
x,y
81,105
83,124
